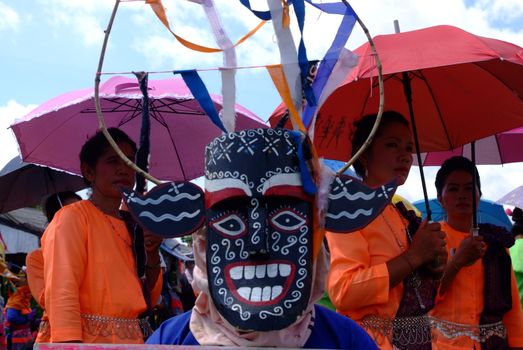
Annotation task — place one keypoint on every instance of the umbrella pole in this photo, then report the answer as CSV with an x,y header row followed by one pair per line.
x,y
408,95
407,90
475,228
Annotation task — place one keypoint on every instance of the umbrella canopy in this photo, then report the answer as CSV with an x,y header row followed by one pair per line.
x,y
514,197
488,212
497,149
24,185
178,250
464,88
54,132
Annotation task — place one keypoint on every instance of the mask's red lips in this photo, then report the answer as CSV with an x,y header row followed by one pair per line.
x,y
260,284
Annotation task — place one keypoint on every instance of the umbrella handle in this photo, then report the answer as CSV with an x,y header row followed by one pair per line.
x,y
381,93
99,114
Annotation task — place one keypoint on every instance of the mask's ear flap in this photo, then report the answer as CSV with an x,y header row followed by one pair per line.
x,y
353,205
173,209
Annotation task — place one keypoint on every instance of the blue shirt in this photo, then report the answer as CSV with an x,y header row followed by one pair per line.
x,y
330,331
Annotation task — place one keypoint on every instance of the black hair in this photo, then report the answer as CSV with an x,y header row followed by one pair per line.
x,y
363,128
517,217
54,202
456,163
97,145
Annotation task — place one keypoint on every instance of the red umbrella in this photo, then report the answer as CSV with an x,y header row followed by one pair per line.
x,y
497,149
464,88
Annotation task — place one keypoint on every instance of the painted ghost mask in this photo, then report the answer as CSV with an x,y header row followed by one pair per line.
x,y
259,242
259,229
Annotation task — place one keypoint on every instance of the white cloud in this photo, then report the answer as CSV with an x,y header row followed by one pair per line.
x,y
8,113
85,18
9,18
506,10
189,21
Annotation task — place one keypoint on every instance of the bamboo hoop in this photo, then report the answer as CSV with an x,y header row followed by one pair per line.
x,y
381,94
131,164
99,114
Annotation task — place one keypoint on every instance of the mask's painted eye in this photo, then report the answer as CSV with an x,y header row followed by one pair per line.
x,y
231,225
287,220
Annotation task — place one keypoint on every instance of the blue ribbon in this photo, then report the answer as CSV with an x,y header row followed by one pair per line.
x,y
142,155
200,93
299,10
332,55
306,178
263,15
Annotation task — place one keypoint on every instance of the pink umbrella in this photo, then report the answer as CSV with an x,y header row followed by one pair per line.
x,y
54,132
501,148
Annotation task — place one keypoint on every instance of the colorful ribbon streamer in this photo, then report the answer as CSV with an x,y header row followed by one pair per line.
x,y
159,10
200,93
228,113
303,62
331,57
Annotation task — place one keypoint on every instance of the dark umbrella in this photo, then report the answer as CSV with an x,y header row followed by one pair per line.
x,y
24,185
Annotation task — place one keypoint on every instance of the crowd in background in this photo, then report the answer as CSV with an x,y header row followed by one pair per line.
x,y
447,283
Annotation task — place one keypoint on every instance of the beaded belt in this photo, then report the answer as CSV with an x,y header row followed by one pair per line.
x,y
400,330
104,326
479,333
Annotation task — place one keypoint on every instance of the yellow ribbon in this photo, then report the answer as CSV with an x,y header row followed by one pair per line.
x,y
159,10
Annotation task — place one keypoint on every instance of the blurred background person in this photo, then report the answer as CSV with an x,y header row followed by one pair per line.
x,y
478,303
35,261
516,251
19,316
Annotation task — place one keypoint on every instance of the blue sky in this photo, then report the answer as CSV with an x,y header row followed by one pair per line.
x,y
49,47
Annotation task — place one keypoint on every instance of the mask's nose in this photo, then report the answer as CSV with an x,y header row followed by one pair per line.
x,y
257,243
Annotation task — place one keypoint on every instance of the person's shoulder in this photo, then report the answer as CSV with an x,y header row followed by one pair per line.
x,y
174,331
73,211
72,215
334,331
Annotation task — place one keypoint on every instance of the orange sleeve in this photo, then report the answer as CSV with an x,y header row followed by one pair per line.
x,y
352,282
513,319
65,255
34,261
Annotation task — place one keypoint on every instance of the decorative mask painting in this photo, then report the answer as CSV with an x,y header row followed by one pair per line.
x,y
260,221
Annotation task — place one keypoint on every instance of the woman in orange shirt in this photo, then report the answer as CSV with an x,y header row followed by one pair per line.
x,y
97,270
381,276
478,304
34,261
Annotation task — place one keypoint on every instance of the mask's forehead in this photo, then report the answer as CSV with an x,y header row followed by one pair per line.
x,y
252,163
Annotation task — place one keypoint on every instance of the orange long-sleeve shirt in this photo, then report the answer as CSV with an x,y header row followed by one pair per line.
x,y
463,302
89,268
34,262
358,281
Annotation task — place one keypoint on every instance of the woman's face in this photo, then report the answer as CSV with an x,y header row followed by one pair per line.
x,y
110,172
456,195
389,156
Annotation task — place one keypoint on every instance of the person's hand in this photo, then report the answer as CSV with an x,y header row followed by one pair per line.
x,y
152,242
437,267
470,249
428,246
